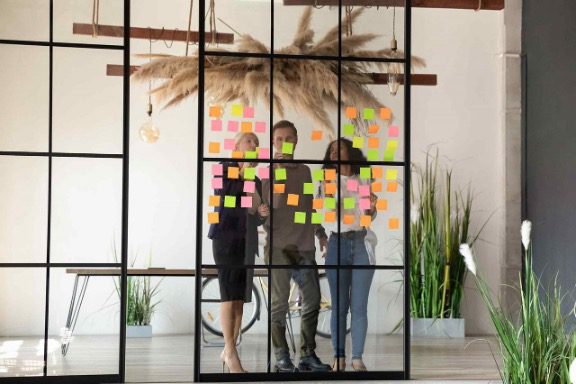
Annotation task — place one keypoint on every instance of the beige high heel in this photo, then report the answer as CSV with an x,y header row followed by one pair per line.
x,y
339,363
226,363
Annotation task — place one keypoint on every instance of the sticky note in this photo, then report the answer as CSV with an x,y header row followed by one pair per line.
x,y
316,135
237,110
368,113
216,125
358,142
393,223
249,186
288,148
393,131
213,218
316,218
279,188
308,188
213,147
330,188
260,126
250,154
330,217
365,220
237,154
372,155
233,172
376,172
217,183
389,155
364,190
292,199
246,202
249,173
330,174
215,111
373,129
217,169
348,219
330,203
365,173
246,126
264,173
318,174
351,112
376,187
382,204
373,142
391,174
385,113
392,186
232,126
349,203
364,203
280,174
352,185
300,217
318,203
348,129
229,144
248,112
230,201
214,201
263,153
392,144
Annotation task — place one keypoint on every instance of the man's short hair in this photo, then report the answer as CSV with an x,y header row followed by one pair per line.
x,y
285,124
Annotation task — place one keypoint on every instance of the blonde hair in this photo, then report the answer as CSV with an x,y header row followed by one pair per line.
x,y
239,136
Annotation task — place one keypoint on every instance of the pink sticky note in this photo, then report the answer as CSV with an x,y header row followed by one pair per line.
x,y
364,204
232,126
217,169
393,131
216,125
229,144
352,185
249,186
264,173
217,183
246,201
248,112
260,126
263,153
364,190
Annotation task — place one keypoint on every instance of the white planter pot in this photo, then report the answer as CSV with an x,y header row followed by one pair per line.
x,y
138,331
445,328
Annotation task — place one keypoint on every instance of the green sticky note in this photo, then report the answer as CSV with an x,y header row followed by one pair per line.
x,y
316,218
230,201
300,217
365,173
308,188
392,145
237,110
368,113
389,155
348,129
319,175
358,142
250,154
349,203
372,155
330,203
288,148
250,173
280,173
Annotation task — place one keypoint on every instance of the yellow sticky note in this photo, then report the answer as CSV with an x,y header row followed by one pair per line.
x,y
391,174
351,112
293,199
376,187
279,188
318,203
365,220
373,142
215,111
382,204
213,218
214,201
237,110
330,188
373,128
358,142
392,186
348,219
233,172
376,172
246,126
330,217
330,174
214,147
393,223
392,145
316,135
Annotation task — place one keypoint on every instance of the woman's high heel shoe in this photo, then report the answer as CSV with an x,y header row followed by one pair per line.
x,y
226,359
358,365
339,364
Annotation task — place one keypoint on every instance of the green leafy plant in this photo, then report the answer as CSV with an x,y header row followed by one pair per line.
x,y
537,348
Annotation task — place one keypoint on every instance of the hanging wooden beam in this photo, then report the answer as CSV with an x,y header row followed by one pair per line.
x,y
147,33
491,5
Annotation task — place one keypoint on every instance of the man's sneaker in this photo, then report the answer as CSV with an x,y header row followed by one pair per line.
x,y
285,365
313,363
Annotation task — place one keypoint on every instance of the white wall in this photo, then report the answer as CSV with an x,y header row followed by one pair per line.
x,y
460,116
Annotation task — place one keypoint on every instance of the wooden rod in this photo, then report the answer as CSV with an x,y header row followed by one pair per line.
x,y
147,33
489,5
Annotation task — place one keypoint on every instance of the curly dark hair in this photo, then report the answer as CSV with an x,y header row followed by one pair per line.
x,y
355,156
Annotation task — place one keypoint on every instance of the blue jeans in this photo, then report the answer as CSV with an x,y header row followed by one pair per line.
x,y
353,291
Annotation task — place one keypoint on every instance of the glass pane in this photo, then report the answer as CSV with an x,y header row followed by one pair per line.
x,y
24,100
24,20
84,322
86,210
22,326
24,207
87,103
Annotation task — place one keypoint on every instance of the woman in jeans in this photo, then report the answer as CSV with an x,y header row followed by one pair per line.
x,y
349,291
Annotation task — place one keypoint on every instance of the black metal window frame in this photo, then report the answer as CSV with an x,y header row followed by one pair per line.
x,y
405,164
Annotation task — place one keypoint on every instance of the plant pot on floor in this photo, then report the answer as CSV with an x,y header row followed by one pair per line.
x,y
138,331
444,328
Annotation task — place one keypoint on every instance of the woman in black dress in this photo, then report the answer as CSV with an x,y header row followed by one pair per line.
x,y
234,245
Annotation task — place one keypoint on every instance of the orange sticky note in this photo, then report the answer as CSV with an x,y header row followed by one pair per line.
x,y
246,126
279,188
214,201
213,218
373,128
393,223
373,142
365,220
385,113
330,174
316,135
330,188
348,219
214,147
233,172
382,204
376,186
293,199
377,172
215,111
351,112
237,154
392,186
318,203
330,217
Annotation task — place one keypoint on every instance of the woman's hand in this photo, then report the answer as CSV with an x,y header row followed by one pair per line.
x,y
263,210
